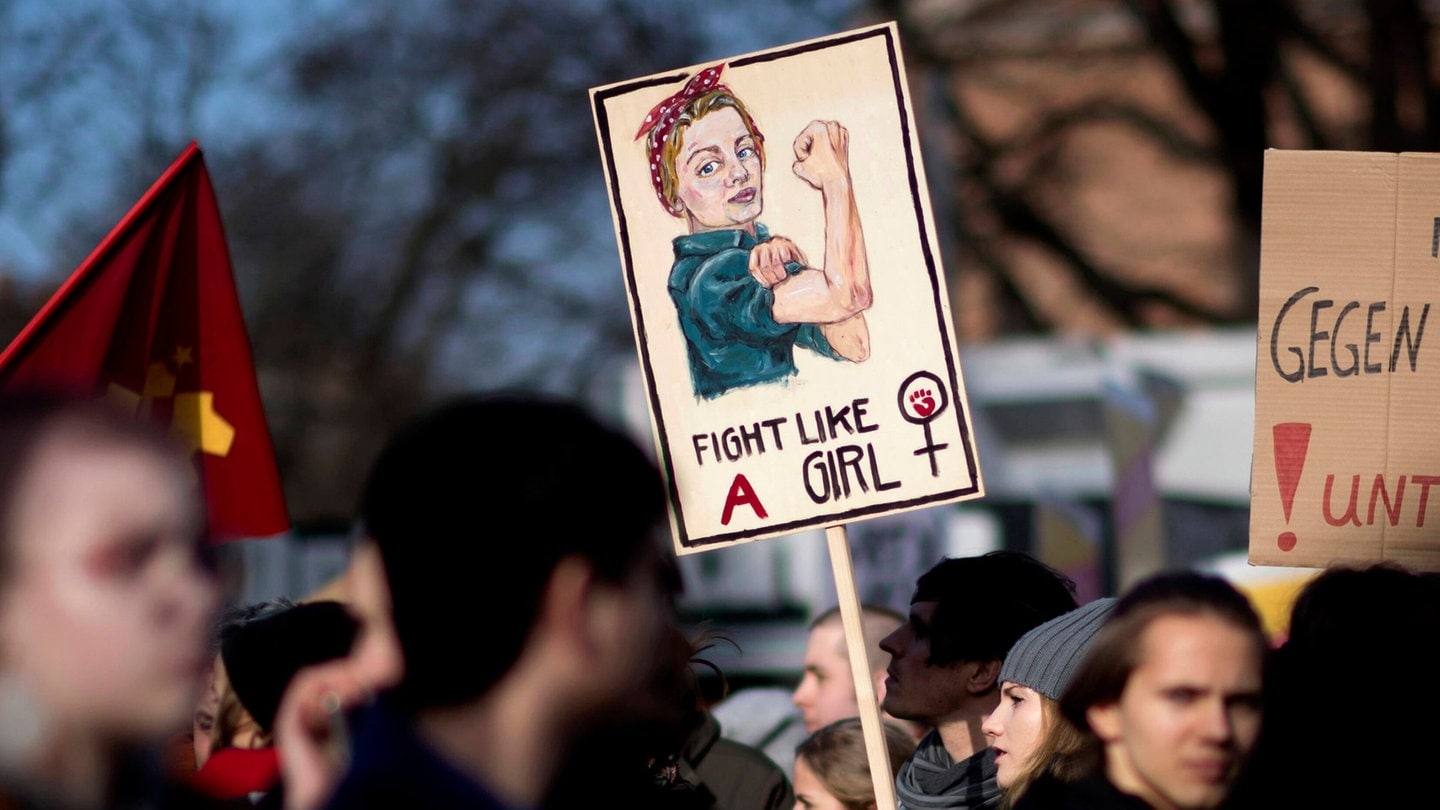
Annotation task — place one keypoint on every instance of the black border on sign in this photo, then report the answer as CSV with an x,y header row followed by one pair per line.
x,y
602,120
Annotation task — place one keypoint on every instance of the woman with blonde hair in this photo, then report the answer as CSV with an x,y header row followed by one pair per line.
x,y
257,660
745,299
832,771
1027,731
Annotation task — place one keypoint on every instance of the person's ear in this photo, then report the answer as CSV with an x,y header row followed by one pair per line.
x,y
983,677
564,607
587,611
1104,720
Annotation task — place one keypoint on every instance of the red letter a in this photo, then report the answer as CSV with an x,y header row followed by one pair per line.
x,y
741,493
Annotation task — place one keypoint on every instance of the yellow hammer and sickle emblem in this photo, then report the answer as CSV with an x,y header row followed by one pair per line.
x,y
194,422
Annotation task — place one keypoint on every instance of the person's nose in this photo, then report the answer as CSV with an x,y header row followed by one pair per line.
x,y
801,696
891,643
738,173
1217,726
186,594
992,726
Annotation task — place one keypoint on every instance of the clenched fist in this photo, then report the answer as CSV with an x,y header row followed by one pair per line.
x,y
768,260
822,153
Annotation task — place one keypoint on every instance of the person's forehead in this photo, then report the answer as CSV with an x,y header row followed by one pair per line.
x,y
100,473
826,642
924,610
721,124
1196,646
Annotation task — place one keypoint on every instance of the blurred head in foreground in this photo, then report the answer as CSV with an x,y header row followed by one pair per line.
x,y
104,598
534,526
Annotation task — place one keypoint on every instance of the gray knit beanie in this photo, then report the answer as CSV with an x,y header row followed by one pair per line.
x,y
1045,658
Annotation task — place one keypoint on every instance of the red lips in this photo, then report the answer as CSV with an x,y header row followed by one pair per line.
x,y
744,196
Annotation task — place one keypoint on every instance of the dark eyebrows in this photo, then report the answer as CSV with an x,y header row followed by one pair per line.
x,y
1243,698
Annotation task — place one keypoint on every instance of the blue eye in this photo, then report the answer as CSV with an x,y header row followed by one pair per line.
x,y
746,152
708,168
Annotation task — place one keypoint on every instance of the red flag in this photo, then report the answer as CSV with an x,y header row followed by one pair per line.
x,y
152,320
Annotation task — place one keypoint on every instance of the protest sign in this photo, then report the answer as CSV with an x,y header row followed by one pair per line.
x,y
1347,449
789,305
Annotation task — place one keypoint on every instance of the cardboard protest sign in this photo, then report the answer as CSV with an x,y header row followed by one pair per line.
x,y
788,300
1347,448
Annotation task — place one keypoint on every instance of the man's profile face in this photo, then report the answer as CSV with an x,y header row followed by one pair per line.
x,y
1188,715
914,688
643,631
827,691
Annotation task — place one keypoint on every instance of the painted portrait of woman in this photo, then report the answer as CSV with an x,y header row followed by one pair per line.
x,y
747,298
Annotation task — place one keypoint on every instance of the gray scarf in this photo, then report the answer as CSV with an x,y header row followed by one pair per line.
x,y
931,780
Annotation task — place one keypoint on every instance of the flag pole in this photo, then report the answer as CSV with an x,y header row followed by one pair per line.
x,y
83,272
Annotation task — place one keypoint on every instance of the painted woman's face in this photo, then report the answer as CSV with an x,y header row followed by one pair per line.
x,y
717,171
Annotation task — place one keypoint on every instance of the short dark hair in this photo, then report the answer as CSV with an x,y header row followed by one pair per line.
x,y
1355,612
986,603
233,618
1117,649
263,654
435,503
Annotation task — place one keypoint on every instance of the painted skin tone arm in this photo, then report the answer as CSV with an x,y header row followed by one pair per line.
x,y
837,295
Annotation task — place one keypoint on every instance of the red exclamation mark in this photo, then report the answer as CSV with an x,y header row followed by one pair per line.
x,y
1292,442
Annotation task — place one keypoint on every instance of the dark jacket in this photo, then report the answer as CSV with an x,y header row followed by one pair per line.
x,y
391,767
1091,793
697,771
737,776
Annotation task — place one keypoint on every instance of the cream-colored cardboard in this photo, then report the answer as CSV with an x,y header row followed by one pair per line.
x,y
877,447
1356,230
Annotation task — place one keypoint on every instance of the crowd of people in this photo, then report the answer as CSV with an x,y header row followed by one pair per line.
x,y
505,637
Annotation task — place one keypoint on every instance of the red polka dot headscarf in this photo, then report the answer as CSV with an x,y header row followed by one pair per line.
x,y
660,123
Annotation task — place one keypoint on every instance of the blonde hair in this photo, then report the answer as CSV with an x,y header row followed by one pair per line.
x,y
1061,753
836,754
231,720
700,107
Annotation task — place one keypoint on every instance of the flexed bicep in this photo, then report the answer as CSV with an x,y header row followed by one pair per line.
x,y
837,293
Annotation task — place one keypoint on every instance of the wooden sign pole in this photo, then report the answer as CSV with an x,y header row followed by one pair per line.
x,y
870,722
